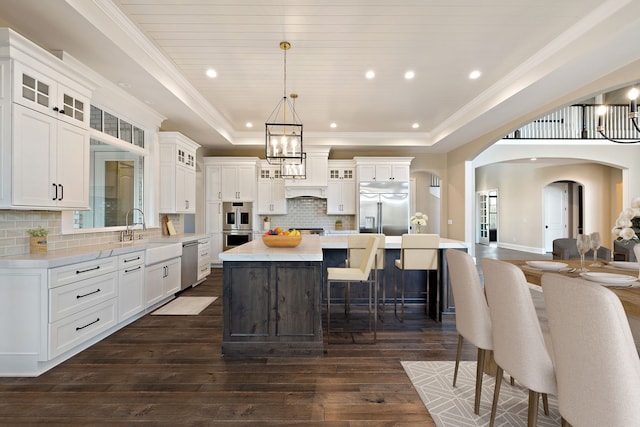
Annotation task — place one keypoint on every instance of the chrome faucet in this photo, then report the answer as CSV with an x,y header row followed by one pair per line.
x,y
129,234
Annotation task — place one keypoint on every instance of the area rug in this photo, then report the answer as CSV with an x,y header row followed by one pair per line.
x,y
182,306
453,406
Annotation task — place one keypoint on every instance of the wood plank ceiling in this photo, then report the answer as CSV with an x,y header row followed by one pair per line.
x,y
514,44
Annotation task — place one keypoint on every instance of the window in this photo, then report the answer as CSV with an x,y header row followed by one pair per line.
x,y
117,160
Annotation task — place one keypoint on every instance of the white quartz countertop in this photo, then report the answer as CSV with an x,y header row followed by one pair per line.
x,y
60,257
309,249
391,242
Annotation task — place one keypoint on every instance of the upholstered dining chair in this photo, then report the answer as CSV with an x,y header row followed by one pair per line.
x,y
472,313
417,252
356,248
519,346
596,361
360,274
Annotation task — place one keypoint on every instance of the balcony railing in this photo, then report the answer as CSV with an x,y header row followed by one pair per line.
x,y
579,122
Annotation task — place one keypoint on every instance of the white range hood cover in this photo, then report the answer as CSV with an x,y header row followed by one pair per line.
x,y
318,192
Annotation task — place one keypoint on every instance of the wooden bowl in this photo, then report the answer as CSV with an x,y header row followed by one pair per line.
x,y
281,241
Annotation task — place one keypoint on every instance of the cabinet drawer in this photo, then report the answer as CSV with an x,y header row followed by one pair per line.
x,y
70,299
204,270
80,271
130,260
74,330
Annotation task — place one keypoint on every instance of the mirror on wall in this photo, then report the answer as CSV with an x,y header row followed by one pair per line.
x,y
116,187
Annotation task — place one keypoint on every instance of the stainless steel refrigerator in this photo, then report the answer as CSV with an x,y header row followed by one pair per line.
x,y
384,208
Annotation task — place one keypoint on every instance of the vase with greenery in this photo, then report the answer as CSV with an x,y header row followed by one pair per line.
x,y
338,224
38,239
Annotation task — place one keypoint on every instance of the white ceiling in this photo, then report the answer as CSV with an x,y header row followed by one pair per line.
x,y
534,55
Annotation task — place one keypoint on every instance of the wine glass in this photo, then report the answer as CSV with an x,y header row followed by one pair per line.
x,y
583,242
596,242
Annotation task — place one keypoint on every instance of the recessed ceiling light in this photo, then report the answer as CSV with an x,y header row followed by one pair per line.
x,y
415,125
370,74
249,125
474,74
212,73
409,75
533,159
333,125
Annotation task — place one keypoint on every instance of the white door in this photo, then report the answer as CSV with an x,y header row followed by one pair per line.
x,y
556,216
483,217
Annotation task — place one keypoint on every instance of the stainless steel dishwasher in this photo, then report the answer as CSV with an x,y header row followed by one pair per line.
x,y
189,264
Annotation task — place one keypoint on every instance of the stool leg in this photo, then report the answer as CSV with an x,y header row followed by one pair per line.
x,y
384,295
395,291
375,309
402,298
328,311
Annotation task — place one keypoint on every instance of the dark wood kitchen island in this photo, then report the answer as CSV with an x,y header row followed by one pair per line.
x,y
272,299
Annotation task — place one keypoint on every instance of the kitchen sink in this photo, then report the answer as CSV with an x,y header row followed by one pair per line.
x,y
158,252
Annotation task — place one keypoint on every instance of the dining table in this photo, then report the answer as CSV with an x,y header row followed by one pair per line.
x,y
628,292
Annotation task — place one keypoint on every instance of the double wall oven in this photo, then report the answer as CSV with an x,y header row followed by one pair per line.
x,y
237,224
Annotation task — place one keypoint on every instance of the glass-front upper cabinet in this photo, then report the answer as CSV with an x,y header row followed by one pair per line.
x,y
49,95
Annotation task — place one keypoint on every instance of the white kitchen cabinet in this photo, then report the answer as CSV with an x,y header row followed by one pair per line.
x,y
271,191
162,280
177,173
204,258
341,198
44,138
382,169
131,293
317,164
51,94
213,183
213,227
238,182
234,181
50,162
341,188
83,302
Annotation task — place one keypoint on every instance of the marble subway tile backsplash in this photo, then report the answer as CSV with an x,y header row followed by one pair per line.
x,y
310,212
14,239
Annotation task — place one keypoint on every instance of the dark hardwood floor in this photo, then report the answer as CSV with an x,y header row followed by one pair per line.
x,y
167,370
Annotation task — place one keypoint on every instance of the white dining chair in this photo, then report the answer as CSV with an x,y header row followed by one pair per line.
x,y
472,313
519,346
360,274
596,361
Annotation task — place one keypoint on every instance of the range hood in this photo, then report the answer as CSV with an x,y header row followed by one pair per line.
x,y
315,183
312,192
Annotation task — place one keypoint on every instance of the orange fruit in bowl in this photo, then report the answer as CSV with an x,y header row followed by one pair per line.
x,y
278,230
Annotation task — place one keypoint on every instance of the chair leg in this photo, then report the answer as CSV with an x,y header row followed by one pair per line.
x,y
496,394
479,372
458,354
532,415
564,423
545,404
